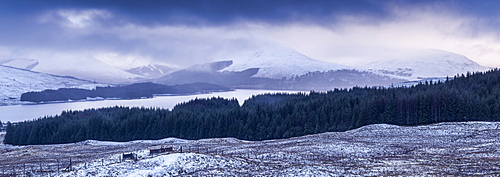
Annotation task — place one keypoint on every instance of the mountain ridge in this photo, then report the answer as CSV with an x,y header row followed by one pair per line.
x,y
15,81
421,64
280,62
152,71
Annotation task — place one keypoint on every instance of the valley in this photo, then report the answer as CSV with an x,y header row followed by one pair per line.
x,y
249,88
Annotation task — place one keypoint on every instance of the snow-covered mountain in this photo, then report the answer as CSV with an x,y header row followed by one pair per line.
x,y
261,65
16,81
279,62
210,73
90,69
423,63
151,71
277,67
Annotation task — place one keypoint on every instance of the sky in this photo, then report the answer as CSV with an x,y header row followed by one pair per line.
x,y
130,33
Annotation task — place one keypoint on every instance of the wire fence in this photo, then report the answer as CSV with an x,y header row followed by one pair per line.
x,y
47,167
54,167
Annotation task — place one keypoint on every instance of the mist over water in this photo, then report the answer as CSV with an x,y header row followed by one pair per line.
x,y
18,113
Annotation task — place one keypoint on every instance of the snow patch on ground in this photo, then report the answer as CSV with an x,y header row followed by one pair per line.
x,y
443,149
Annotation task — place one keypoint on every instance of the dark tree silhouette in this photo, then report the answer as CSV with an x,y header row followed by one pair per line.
x,y
471,97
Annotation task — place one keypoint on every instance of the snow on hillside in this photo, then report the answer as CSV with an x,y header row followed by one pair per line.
x,y
152,71
90,69
424,63
277,62
15,82
444,149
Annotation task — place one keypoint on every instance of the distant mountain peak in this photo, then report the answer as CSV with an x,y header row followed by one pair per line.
x,y
151,70
422,63
279,62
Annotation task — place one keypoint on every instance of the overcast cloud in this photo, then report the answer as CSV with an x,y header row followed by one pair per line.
x,y
128,33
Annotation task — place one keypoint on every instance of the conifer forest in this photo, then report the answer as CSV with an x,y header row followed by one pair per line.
x,y
470,97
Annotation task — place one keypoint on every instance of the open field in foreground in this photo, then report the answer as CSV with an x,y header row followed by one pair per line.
x,y
460,149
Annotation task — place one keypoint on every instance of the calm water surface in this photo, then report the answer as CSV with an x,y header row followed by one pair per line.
x,y
18,113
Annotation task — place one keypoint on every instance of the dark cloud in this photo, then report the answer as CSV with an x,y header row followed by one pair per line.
x,y
21,24
221,12
155,28
483,8
204,12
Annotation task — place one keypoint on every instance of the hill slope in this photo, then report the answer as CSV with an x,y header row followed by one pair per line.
x,y
424,63
279,62
277,68
445,149
211,73
15,82
91,69
151,71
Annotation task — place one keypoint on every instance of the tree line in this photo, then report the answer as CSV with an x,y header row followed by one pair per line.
x,y
133,91
470,97
326,80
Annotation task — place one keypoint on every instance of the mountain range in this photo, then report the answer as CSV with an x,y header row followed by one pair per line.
x,y
420,64
279,62
285,68
277,67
